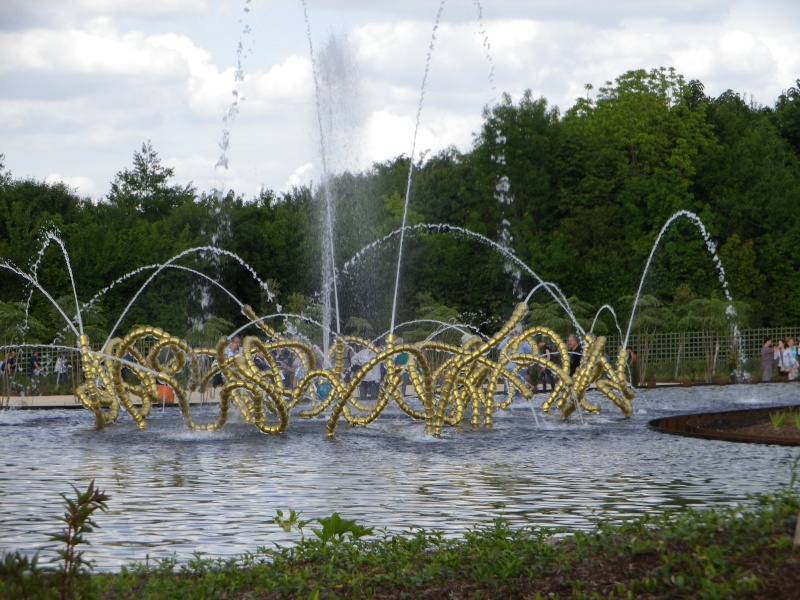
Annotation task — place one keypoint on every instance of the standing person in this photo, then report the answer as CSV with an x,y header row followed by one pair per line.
x,y
347,363
784,357
792,361
34,369
287,368
522,348
371,382
61,369
767,359
779,356
575,353
260,361
10,363
400,361
631,355
231,351
547,375
234,347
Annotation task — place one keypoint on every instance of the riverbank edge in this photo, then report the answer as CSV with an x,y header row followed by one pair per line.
x,y
748,550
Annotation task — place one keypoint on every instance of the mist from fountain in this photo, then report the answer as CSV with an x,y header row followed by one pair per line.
x,y
441,228
462,328
302,318
48,236
233,109
328,268
197,250
4,264
200,277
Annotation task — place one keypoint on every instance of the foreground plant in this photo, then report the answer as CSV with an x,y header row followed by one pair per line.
x,y
79,523
778,419
730,552
23,577
18,574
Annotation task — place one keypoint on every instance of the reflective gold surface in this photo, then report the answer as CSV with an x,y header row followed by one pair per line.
x,y
445,390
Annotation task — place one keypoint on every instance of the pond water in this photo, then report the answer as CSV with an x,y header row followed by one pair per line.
x,y
175,491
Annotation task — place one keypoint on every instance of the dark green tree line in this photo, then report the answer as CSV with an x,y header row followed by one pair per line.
x,y
578,197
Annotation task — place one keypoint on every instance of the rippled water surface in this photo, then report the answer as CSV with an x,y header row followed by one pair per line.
x,y
174,491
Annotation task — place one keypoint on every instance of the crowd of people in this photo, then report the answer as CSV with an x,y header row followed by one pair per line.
x,y
546,375
783,355
292,368
11,372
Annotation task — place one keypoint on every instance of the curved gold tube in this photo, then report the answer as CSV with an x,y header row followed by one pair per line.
x,y
448,381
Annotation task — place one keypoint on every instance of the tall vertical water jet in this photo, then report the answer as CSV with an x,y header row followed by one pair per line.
x,y
328,272
238,77
218,222
411,163
502,187
335,94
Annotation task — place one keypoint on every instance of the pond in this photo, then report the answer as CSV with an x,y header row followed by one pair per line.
x,y
175,491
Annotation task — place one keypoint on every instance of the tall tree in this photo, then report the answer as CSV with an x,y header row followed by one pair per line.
x,y
145,188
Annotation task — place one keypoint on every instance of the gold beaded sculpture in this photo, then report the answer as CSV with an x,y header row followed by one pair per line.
x,y
465,382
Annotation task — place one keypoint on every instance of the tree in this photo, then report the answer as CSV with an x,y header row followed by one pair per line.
x,y
144,189
787,116
18,326
553,316
628,163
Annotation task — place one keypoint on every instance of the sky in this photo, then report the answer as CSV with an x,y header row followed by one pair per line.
x,y
238,94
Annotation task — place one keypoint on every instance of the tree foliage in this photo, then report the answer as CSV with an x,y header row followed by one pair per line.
x,y
577,198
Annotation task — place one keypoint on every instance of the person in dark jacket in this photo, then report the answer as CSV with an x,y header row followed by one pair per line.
x,y
575,353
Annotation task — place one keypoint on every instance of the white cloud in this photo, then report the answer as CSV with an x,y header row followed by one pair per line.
x,y
84,186
65,11
300,176
744,52
98,48
289,81
84,82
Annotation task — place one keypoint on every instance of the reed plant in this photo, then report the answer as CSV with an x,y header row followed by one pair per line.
x,y
778,419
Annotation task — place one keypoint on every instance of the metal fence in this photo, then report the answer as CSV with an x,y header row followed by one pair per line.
x,y
691,355
698,356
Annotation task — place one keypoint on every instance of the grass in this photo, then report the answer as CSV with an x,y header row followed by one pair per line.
x,y
778,419
737,552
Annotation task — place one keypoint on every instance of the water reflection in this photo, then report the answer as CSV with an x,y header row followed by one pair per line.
x,y
175,491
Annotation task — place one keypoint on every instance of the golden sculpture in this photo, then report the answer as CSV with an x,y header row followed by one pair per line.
x,y
465,381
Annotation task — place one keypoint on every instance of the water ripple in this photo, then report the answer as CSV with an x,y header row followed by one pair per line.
x,y
175,491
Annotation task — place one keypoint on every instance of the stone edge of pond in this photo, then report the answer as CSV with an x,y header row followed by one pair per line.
x,y
696,425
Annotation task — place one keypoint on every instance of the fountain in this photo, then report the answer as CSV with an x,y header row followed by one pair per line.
x,y
462,383
466,379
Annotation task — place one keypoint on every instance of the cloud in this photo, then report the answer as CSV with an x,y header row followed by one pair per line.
x,y
84,82
300,176
80,184
22,14
97,48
